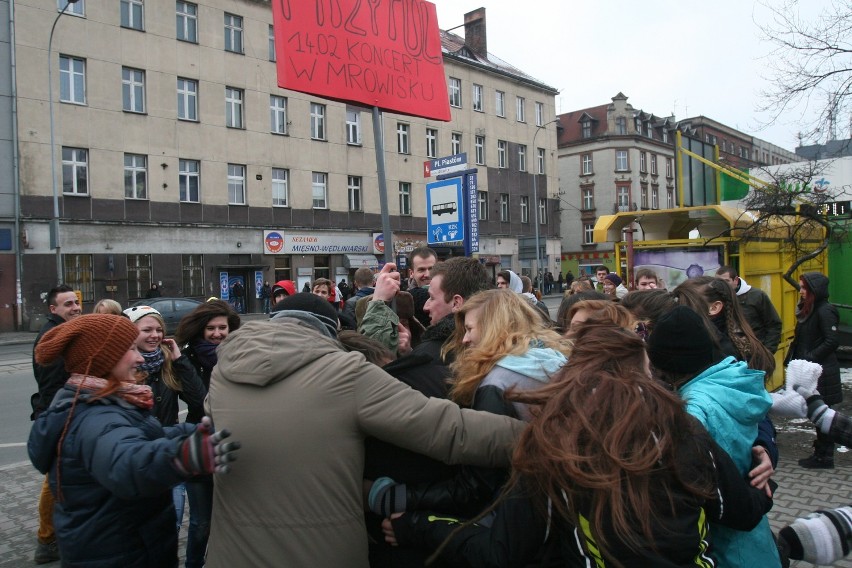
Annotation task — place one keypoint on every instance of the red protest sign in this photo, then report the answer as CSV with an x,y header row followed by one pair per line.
x,y
384,54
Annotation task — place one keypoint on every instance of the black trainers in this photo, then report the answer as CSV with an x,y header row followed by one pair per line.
x,y
46,553
817,462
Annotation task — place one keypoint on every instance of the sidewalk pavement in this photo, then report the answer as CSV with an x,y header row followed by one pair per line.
x,y
800,491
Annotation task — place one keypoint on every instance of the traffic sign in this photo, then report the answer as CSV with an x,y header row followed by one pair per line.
x,y
445,165
444,211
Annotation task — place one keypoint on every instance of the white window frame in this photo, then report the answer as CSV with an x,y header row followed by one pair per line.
x,y
665,135
405,198
540,156
482,205
525,209
670,199
135,176
280,187
500,103
133,90
78,9
455,143
189,175
586,127
478,94
622,197
454,87
234,107
643,196
520,109
588,199
504,208
72,74
522,157
479,150
236,184
319,190
353,127
653,164
277,114
354,189
431,142
542,211
621,125
643,162
587,165
539,114
187,95
588,233
403,131
271,42
669,168
655,197
234,33
317,121
186,21
502,148
622,161
131,11
77,161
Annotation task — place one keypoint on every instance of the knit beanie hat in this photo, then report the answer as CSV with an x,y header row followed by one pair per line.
x,y
614,278
309,308
92,344
680,343
136,313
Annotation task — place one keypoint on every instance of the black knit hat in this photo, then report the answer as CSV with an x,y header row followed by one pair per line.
x,y
311,304
680,342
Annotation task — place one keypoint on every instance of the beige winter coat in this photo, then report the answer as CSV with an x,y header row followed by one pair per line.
x,y
302,407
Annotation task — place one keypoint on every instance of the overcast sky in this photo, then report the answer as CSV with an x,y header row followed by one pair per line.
x,y
668,56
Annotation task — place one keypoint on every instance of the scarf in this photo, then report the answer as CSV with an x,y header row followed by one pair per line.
x,y
206,353
139,396
153,361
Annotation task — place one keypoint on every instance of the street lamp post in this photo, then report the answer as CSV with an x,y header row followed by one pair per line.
x,y
54,223
535,205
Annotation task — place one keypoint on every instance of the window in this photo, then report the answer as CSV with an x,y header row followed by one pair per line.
x,y
621,125
520,113
402,138
282,267
353,127
187,99
504,207
588,233
540,160
477,97
643,196
317,121
586,127
78,9
233,33
522,157
668,168
482,205
79,274
189,179
621,162
75,171
650,130
525,209
642,162
665,135
431,143
500,103
670,202
135,174
72,79
539,114
479,149
186,15
280,187
277,114
501,153
271,43
623,197
586,160
655,197
138,275
455,143
542,211
653,164
233,107
455,92
353,187
193,274
588,199
637,122
404,198
133,89
132,14
319,190
236,184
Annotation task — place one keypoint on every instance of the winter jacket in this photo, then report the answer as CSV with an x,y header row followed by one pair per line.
x,y
729,399
166,399
196,412
302,408
816,339
760,314
349,306
115,508
49,378
520,533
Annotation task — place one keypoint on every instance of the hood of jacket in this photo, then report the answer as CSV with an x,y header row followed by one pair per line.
x,y
515,284
539,363
818,283
265,352
744,287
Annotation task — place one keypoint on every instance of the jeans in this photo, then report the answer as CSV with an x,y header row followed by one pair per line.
x,y
266,305
179,497
199,492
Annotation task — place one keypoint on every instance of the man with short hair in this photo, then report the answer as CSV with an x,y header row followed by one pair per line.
x,y
757,308
646,279
600,273
64,306
363,281
420,263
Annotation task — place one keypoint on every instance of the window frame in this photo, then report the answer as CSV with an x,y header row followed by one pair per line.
x,y
455,143
133,90
78,272
500,103
234,33
188,98
139,274
542,210
541,156
403,138
319,180
482,205
520,108
136,169
355,193
454,87
478,95
318,130
278,115
643,162
71,77
479,150
588,197
237,181
621,125
185,180
539,114
431,142
75,164
192,274
587,166
625,167
522,157
586,128
502,151
189,14
78,9
405,199
353,127
271,44
588,233
234,108
524,209
504,208
128,8
280,187
653,164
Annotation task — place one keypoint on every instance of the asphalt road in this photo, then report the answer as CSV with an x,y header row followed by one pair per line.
x,y
16,385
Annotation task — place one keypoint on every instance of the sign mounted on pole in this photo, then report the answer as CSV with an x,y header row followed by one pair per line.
x,y
445,211
380,54
450,164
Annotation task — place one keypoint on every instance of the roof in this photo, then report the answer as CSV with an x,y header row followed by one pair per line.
x,y
571,129
454,46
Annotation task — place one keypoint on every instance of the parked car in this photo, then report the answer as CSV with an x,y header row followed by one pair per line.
x,y
172,309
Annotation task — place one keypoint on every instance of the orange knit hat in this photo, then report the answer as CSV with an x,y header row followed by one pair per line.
x,y
90,345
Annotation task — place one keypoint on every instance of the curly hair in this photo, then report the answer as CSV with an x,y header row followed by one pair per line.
x,y
192,325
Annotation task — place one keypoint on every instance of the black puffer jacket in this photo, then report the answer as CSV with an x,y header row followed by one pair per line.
x,y
816,339
49,378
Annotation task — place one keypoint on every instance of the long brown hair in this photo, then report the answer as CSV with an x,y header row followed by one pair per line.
x,y
602,434
806,305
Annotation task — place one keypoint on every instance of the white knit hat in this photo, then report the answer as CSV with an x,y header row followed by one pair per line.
x,y
136,313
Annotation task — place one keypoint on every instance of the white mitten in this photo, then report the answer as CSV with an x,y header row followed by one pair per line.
x,y
788,404
802,374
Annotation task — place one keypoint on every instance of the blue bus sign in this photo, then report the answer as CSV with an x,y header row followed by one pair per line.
x,y
445,211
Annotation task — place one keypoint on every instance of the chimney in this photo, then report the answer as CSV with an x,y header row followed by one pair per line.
x,y
475,36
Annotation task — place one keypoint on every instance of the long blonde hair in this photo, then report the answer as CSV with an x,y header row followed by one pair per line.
x,y
167,371
509,325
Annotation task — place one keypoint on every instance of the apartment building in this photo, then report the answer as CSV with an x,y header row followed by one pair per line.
x,y
181,162
736,148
